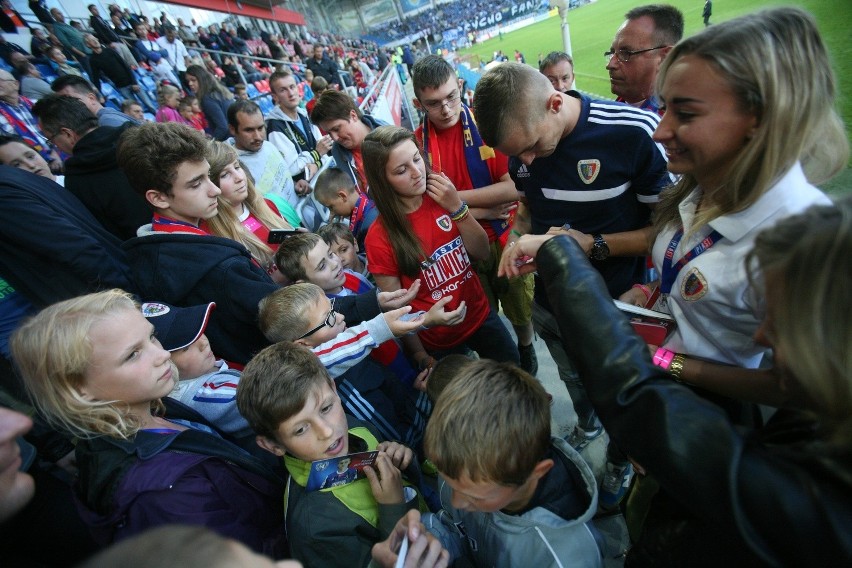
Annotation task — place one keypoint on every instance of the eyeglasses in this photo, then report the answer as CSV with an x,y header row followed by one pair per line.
x,y
450,102
51,138
330,320
624,55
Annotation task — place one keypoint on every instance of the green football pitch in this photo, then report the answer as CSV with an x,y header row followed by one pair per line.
x,y
593,26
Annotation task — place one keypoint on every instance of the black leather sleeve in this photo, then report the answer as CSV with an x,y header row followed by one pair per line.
x,y
784,503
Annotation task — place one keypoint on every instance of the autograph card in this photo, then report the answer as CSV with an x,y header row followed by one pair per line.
x,y
338,471
403,552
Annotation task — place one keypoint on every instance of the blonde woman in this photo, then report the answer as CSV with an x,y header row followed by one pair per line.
x,y
750,124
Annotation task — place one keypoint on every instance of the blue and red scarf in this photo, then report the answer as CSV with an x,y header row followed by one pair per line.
x,y
476,156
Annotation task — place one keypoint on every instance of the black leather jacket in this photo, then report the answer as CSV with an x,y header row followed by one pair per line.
x,y
778,496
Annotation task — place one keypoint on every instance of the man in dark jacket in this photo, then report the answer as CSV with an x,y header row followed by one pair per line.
x,y
108,63
323,66
176,261
51,248
92,174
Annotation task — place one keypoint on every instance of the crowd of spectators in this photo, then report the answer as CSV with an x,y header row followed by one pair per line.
x,y
457,15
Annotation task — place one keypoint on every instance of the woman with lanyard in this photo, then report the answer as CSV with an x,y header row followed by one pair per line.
x,y
748,134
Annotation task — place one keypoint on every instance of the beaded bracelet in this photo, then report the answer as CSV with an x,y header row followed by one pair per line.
x,y
461,214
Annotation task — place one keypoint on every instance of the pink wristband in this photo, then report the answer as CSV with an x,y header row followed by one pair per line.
x,y
663,358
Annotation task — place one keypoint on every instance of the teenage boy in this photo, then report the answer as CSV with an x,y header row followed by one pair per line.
x,y
336,190
511,494
338,115
292,404
453,146
582,165
175,261
290,130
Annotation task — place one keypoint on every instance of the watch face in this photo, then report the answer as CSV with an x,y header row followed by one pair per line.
x,y
600,250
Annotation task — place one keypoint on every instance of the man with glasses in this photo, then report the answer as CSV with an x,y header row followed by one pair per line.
x,y
91,172
453,146
639,46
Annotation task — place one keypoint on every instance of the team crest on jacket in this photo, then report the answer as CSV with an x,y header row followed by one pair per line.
x,y
444,223
693,286
588,170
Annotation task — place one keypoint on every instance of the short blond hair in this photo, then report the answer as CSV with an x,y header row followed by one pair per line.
x,y
283,313
491,423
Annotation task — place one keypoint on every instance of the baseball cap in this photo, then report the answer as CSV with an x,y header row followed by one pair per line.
x,y
176,327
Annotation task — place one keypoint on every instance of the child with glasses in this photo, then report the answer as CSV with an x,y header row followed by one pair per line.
x,y
301,313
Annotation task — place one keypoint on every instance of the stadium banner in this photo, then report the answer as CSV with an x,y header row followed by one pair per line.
x,y
412,7
502,14
388,105
377,12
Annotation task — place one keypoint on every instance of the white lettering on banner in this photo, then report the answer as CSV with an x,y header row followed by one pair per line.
x,y
522,7
501,14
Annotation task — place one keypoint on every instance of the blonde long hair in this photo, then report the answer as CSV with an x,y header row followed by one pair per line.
x,y
777,66
804,258
226,223
53,352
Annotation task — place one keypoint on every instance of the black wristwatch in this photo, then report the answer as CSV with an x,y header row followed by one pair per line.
x,y
600,250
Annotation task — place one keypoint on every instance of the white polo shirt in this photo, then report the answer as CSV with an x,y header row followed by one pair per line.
x,y
716,310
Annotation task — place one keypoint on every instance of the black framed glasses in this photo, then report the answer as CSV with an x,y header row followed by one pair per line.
x,y
451,101
51,138
329,321
624,55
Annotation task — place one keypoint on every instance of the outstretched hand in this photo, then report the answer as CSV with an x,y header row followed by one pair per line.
x,y
398,298
438,316
519,256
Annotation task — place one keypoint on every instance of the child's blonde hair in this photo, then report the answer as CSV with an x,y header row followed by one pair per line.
x,y
284,313
165,91
53,353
